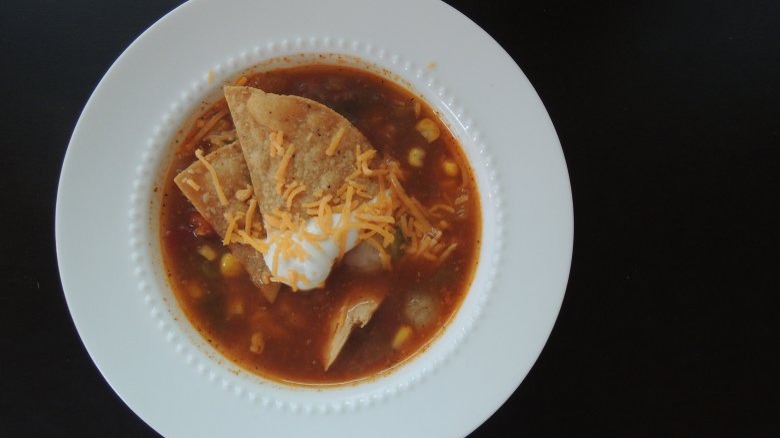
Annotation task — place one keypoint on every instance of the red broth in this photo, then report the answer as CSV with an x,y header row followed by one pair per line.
x,y
421,295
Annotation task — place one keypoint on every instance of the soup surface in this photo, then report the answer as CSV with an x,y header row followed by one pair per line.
x,y
420,282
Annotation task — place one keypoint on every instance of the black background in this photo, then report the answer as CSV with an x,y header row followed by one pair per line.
x,y
669,117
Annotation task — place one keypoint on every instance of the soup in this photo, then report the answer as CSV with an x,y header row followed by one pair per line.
x,y
248,191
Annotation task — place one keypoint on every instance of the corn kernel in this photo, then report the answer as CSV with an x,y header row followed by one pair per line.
x,y
416,157
235,307
401,336
229,266
207,252
257,343
428,129
450,168
195,290
244,194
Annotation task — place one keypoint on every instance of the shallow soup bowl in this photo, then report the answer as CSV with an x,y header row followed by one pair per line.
x,y
111,265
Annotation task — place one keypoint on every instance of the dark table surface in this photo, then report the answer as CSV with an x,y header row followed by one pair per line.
x,y
669,117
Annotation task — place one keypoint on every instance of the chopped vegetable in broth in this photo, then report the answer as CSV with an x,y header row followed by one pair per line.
x,y
258,181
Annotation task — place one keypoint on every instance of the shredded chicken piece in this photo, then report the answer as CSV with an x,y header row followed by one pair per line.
x,y
356,310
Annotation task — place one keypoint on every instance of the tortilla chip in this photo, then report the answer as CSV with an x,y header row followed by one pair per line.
x,y
230,167
312,128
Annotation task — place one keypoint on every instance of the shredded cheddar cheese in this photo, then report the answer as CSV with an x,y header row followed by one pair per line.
x,y
233,219
362,159
438,207
387,235
275,148
192,184
428,256
272,221
287,222
250,216
357,185
347,204
413,209
461,199
289,189
298,190
376,218
214,179
278,251
222,138
207,126
282,170
325,214
244,194
317,202
255,243
312,239
335,141
447,252
367,155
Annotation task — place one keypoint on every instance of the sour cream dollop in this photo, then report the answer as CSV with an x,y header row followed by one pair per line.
x,y
314,268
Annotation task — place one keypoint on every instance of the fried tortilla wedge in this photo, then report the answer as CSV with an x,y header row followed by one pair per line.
x,y
323,156
198,186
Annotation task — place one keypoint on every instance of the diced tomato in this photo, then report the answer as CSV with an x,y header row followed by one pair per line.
x,y
200,227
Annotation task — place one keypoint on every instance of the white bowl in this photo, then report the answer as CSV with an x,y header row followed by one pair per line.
x,y
111,266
